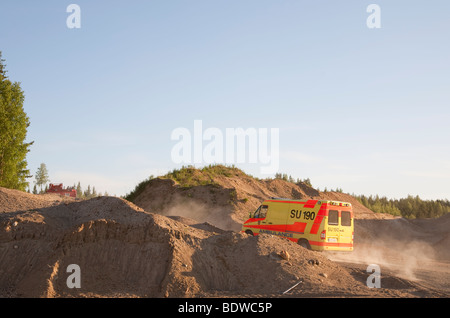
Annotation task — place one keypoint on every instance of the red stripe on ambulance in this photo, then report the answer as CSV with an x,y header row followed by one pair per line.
x,y
318,220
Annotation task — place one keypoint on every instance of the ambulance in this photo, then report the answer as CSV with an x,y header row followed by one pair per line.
x,y
314,224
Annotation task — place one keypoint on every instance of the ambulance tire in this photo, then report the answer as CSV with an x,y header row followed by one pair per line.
x,y
249,232
304,243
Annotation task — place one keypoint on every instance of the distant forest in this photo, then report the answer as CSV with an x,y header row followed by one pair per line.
x,y
410,207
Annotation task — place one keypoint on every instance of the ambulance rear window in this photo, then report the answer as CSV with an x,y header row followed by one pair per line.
x,y
346,219
333,217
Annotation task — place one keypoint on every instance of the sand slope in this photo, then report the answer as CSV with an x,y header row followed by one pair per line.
x,y
228,201
125,251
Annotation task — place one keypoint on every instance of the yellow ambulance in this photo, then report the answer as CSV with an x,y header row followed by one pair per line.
x,y
314,224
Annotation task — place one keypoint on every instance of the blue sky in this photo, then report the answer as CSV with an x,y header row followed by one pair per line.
x,y
363,109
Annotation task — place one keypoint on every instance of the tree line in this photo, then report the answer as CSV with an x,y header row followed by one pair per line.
x,y
410,207
88,193
42,179
289,178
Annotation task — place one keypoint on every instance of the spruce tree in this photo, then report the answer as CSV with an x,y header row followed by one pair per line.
x,y
14,123
79,190
88,193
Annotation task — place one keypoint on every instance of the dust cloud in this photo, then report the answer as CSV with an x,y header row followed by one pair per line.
x,y
203,213
405,259
395,245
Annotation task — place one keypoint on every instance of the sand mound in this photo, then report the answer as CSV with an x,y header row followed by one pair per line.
x,y
124,251
443,247
225,199
104,236
234,263
204,203
14,200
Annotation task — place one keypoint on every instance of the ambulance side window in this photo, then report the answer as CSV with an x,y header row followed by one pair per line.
x,y
333,217
263,212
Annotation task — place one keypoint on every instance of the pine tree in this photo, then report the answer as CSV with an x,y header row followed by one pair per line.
x,y
88,193
42,176
14,123
79,190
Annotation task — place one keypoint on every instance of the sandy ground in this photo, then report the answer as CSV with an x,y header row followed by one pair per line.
x,y
414,252
426,275
126,251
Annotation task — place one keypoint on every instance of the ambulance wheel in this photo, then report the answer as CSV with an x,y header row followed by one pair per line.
x,y
304,243
249,232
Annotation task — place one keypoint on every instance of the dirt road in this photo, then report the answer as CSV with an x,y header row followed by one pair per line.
x,y
400,271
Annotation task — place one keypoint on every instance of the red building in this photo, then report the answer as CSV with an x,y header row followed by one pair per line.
x,y
59,189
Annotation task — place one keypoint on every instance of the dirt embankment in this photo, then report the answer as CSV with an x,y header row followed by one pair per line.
x,y
13,200
125,251
227,201
413,249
